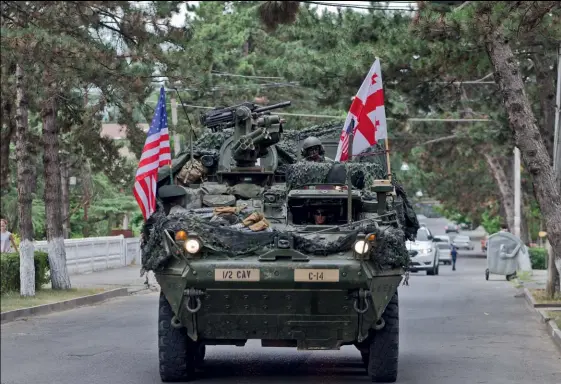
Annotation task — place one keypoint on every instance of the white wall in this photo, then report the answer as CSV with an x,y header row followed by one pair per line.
x,y
98,253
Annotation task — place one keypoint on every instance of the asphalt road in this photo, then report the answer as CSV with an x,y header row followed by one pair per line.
x,y
456,328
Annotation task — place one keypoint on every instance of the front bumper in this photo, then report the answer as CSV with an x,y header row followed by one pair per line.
x,y
310,304
422,263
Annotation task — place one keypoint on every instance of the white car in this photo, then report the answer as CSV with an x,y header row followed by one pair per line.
x,y
463,242
426,256
444,246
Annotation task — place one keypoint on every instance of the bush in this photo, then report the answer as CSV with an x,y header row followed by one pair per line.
x,y
538,257
9,271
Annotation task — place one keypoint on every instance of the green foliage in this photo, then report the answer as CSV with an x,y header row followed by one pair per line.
x,y
491,222
9,271
538,257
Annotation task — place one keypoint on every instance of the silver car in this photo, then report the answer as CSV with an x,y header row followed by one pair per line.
x,y
444,246
426,256
463,242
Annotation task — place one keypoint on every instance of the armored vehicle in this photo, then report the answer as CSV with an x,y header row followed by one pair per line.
x,y
252,242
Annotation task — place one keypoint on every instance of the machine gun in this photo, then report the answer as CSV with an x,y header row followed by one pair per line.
x,y
250,153
221,118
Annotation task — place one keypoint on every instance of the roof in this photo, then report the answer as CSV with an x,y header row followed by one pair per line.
x,y
118,131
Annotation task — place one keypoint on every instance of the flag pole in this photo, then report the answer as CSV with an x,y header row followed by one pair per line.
x,y
388,158
349,181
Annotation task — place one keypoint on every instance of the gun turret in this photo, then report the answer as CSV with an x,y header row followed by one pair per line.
x,y
250,151
222,118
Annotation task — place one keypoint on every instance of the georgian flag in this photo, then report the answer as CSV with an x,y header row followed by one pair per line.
x,y
368,113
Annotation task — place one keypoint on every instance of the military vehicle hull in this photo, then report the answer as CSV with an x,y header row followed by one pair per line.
x,y
313,305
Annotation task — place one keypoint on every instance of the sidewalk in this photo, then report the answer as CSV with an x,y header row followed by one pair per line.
x,y
128,277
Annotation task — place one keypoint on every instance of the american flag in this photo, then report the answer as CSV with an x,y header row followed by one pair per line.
x,y
368,114
155,154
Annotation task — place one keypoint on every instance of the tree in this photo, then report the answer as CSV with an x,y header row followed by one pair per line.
x,y
497,26
25,188
94,43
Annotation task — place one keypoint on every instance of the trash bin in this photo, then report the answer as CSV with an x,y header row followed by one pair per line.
x,y
505,255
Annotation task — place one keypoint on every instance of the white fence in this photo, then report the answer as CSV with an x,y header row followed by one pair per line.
x,y
98,253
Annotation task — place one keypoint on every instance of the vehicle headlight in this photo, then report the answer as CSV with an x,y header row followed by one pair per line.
x,y
192,246
362,247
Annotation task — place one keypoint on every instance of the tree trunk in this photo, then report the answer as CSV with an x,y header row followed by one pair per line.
x,y
25,164
527,136
8,130
53,202
65,197
545,78
505,187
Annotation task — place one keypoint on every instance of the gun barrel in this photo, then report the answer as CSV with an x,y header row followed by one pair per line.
x,y
274,106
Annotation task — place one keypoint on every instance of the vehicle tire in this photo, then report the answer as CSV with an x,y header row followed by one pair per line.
x,y
436,270
200,355
175,349
430,272
384,346
487,274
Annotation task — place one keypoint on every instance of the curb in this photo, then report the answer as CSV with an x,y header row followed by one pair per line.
x,y
530,299
9,316
551,327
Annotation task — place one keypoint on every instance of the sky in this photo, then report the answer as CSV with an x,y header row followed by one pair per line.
x,y
179,19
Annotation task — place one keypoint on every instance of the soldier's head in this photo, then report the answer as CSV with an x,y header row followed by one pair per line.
x,y
312,149
319,217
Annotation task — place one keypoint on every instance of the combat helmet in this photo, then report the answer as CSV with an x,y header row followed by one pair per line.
x,y
311,142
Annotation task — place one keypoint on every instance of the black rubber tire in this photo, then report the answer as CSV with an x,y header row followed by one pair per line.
x,y
384,346
487,274
430,272
436,270
175,349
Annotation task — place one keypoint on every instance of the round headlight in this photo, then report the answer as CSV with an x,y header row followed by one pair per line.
x,y
192,246
361,247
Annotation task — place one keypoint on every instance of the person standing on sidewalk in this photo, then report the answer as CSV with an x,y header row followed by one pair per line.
x,y
454,254
6,238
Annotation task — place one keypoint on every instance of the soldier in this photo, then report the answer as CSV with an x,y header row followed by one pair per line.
x,y
312,150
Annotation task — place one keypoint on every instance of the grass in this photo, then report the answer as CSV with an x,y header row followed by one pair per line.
x,y
555,315
10,301
540,297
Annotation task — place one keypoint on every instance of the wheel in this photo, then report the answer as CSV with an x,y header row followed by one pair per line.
x,y
200,355
430,272
436,270
384,346
487,274
510,277
176,350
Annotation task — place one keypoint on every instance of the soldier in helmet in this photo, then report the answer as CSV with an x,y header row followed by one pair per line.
x,y
312,150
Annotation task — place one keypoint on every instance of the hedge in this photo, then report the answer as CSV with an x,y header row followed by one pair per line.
x,y
9,271
538,257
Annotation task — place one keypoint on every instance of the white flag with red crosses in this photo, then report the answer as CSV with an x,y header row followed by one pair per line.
x,y
368,113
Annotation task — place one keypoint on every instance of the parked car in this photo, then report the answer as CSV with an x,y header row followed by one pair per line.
x,y
452,228
427,257
444,246
463,242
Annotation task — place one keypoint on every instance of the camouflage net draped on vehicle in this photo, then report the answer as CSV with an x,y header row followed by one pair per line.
x,y
228,236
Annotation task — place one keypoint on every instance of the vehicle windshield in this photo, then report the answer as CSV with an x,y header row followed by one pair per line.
x,y
462,238
422,234
443,245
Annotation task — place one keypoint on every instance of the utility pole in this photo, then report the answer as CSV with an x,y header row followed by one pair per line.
x,y
517,188
176,137
552,273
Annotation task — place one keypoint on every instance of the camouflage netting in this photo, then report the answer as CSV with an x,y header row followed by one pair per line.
x,y
306,172
231,238
390,250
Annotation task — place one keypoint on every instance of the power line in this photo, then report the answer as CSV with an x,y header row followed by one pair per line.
x,y
414,119
357,6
